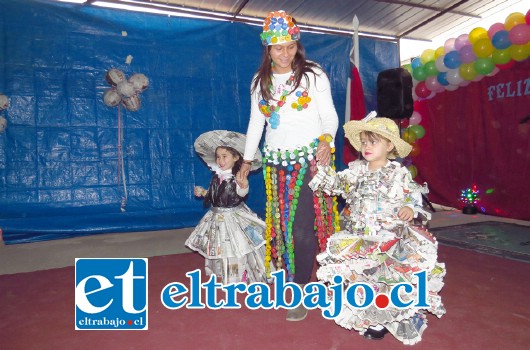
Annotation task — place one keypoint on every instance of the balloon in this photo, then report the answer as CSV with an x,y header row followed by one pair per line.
x,y
114,76
430,69
465,83
478,77
415,151
451,60
514,19
419,73
484,65
432,84
483,47
439,52
415,118
501,40
408,68
4,101
477,34
418,130
3,124
449,45
427,56
451,87
519,52
442,78
501,56
527,17
461,41
494,29
466,54
467,71
125,88
111,98
439,63
132,103
421,90
453,77
416,62
520,34
139,81
409,136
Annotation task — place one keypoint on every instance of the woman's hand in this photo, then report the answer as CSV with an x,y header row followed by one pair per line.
x,y
200,191
406,214
241,180
323,155
245,169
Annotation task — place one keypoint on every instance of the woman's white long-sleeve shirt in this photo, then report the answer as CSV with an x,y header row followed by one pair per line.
x,y
296,128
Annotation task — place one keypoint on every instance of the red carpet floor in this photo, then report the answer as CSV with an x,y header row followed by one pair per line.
x,y
486,297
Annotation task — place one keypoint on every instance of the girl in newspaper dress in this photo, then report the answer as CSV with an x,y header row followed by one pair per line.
x,y
230,235
380,246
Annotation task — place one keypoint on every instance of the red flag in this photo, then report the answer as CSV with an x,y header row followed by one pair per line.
x,y
357,111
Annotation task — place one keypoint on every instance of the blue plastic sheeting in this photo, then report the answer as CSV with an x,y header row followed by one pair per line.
x,y
59,154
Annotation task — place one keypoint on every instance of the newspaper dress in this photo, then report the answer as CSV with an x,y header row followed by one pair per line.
x,y
230,236
379,249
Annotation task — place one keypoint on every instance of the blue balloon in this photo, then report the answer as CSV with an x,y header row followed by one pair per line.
x,y
451,60
416,63
501,40
442,78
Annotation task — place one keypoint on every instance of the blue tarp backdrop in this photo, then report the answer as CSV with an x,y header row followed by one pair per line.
x,y
59,155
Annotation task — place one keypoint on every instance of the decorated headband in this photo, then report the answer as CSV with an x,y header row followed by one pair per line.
x,y
279,28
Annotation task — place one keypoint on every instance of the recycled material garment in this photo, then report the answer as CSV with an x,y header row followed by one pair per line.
x,y
379,249
230,235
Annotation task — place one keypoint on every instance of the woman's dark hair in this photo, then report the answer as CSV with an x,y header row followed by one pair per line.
x,y
235,153
300,68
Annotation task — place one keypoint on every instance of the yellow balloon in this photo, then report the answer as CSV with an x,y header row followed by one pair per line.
x,y
427,56
467,71
477,34
439,51
413,170
483,47
520,52
514,19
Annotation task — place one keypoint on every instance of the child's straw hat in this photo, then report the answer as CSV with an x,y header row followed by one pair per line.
x,y
207,143
384,127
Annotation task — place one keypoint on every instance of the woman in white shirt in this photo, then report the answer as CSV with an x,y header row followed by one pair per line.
x,y
292,97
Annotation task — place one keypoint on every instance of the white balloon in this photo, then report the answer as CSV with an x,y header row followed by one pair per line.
x,y
114,76
139,81
451,87
132,103
125,89
440,65
453,77
4,102
111,98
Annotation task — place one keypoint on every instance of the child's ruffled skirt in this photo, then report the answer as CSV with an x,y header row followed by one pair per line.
x,y
231,240
382,262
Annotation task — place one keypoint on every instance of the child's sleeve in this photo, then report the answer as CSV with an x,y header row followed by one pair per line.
x,y
413,195
241,192
331,182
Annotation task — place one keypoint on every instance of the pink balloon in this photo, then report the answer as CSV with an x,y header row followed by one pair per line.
x,y
415,118
520,34
494,29
466,54
461,41
433,84
449,45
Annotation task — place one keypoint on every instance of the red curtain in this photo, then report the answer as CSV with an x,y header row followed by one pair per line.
x,y
479,135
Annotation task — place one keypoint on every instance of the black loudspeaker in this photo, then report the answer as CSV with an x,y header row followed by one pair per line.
x,y
394,94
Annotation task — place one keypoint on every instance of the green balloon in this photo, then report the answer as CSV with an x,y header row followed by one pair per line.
x,y
419,73
418,130
484,65
501,56
430,69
